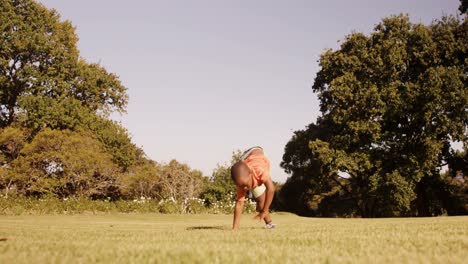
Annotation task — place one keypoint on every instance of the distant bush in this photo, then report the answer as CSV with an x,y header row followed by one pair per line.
x,y
64,163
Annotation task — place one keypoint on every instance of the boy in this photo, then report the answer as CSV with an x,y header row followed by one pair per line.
x,y
252,173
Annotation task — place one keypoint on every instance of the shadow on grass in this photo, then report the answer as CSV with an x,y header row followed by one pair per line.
x,y
191,228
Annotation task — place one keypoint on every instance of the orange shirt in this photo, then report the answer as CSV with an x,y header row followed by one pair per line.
x,y
259,166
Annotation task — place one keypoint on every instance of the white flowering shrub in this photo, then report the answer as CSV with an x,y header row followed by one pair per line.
x,y
250,206
226,205
72,205
142,200
195,206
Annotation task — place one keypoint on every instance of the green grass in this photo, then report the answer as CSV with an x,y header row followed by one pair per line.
x,y
156,238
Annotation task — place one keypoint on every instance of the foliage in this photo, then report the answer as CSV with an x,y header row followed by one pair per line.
x,y
220,184
442,195
117,142
179,182
55,134
463,6
21,205
391,104
64,163
457,162
299,162
12,141
142,180
24,205
42,75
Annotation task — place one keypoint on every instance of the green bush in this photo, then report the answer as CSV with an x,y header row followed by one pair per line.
x,y
169,206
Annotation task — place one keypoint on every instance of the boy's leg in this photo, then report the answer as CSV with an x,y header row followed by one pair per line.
x,y
260,204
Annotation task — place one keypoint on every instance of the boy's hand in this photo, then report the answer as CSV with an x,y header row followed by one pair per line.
x,y
262,215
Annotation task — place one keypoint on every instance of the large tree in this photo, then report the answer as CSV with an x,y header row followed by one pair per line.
x,y
42,76
45,84
391,103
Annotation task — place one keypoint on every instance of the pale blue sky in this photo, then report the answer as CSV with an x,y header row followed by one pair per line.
x,y
196,70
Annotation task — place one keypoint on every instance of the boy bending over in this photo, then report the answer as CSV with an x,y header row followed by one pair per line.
x,y
252,173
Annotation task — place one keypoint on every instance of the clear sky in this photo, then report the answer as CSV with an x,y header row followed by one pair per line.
x,y
209,77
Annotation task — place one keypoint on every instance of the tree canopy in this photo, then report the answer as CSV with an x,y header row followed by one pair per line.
x,y
42,77
463,6
391,102
52,104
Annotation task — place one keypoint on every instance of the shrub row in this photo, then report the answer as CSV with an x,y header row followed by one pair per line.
x,y
21,205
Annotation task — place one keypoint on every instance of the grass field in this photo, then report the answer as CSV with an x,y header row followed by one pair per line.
x,y
154,238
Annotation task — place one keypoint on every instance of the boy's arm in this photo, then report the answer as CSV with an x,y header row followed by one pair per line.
x,y
270,192
237,213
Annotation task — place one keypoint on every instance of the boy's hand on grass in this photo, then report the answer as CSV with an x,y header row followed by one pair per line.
x,y
261,215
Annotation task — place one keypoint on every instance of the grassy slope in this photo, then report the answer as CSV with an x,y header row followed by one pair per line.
x,y
142,238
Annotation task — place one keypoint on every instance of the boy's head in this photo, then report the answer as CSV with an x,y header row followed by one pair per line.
x,y
240,174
